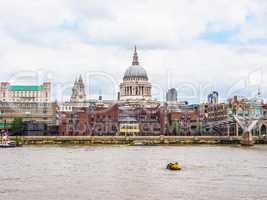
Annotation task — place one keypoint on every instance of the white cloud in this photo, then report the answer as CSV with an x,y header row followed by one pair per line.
x,y
67,37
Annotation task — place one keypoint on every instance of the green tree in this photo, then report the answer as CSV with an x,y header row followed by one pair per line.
x,y
175,128
17,126
201,129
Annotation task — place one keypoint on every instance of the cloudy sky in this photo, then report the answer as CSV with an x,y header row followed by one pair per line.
x,y
195,46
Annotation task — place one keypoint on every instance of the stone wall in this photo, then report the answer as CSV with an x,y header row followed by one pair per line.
x,y
121,140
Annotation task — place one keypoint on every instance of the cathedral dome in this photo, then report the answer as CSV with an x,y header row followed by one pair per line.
x,y
135,85
135,70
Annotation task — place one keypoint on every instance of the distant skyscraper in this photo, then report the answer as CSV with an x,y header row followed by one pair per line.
x,y
213,98
78,91
171,95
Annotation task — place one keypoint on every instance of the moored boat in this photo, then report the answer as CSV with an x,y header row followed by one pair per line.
x,y
5,142
8,144
142,143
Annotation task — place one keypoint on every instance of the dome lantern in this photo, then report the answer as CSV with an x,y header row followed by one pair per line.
x,y
135,70
135,57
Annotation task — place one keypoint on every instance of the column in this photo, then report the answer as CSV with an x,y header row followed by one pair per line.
x,y
134,90
228,130
237,129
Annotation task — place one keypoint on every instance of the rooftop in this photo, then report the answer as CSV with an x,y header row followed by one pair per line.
x,y
25,88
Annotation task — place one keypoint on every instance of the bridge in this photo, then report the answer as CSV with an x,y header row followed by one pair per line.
x,y
246,122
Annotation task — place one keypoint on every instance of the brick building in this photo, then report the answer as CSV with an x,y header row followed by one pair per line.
x,y
116,120
184,123
140,121
90,121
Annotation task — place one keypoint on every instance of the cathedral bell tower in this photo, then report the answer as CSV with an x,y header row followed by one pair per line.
x,y
78,91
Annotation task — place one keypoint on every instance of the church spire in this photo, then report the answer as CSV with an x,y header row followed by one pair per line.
x,y
135,57
78,91
80,78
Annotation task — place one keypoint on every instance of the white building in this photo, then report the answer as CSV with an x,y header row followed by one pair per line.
x,y
25,93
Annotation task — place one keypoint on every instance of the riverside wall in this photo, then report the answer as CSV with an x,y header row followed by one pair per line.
x,y
131,140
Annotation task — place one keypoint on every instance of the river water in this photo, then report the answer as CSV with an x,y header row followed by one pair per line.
x,y
127,173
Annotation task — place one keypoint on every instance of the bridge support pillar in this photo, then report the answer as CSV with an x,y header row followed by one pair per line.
x,y
247,139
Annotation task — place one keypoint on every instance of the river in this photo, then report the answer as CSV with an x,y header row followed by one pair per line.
x,y
129,173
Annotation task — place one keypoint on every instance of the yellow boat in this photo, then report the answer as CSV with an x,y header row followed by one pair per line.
x,y
174,166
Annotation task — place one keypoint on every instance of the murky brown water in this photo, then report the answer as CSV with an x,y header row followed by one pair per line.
x,y
114,173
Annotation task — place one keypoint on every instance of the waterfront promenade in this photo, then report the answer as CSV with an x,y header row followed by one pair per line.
x,y
128,140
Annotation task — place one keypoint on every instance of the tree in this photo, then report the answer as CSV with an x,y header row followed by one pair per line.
x,y
175,128
17,126
201,129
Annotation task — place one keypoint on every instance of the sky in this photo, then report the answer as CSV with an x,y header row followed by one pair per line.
x,y
195,46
